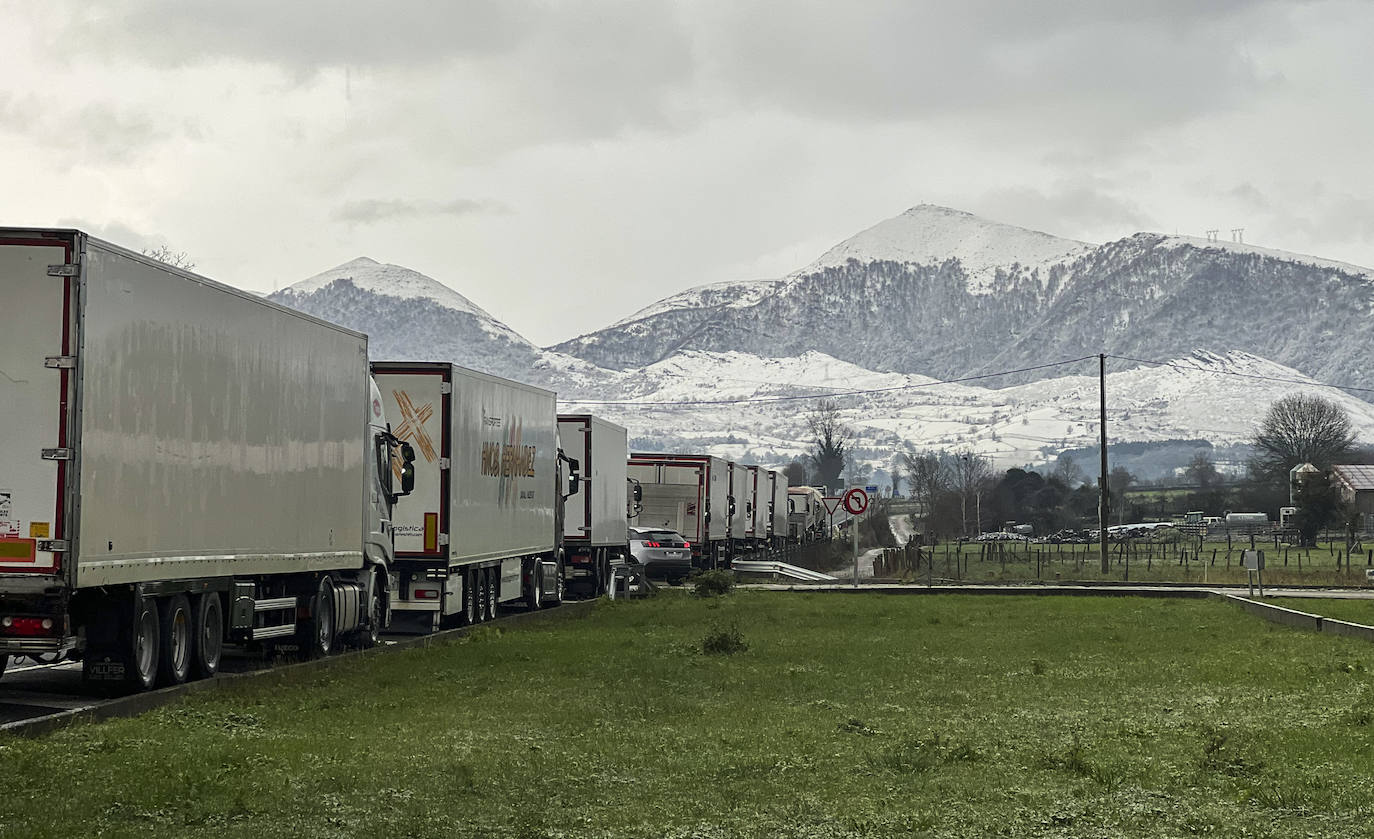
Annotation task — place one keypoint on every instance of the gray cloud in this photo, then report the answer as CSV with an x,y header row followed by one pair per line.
x,y
371,211
595,68
1090,67
97,132
1083,204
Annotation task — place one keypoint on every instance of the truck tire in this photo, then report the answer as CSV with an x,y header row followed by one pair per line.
x,y
493,594
471,597
141,647
315,635
534,598
175,639
371,635
208,624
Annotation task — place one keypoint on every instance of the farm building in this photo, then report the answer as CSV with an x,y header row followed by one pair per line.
x,y
1356,483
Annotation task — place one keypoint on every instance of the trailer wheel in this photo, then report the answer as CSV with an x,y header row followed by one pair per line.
x,y
535,596
493,594
471,597
315,635
140,669
208,643
175,641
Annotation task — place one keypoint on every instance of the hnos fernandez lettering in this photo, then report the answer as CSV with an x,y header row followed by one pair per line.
x,y
507,460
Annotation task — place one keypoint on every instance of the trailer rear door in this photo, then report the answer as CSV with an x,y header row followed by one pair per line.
x,y
35,343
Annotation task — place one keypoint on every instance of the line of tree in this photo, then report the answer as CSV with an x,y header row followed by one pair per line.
x,y
959,493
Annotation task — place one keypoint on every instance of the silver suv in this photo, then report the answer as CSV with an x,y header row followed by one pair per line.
x,y
665,554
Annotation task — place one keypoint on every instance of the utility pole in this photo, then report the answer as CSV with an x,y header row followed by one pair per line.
x,y
1102,507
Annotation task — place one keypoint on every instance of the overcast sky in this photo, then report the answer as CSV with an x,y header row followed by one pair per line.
x,y
564,164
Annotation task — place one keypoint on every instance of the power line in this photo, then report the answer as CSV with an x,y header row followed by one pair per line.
x,y
772,399
1199,369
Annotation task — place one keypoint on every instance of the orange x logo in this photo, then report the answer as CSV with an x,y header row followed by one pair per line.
x,y
412,425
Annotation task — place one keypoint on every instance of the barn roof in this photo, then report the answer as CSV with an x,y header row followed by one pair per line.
x,y
1358,476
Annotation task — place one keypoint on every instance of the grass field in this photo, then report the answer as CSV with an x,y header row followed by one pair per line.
x,y
847,715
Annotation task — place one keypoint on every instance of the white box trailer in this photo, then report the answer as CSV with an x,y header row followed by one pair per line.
x,y
757,496
741,519
480,528
689,494
777,507
594,522
181,463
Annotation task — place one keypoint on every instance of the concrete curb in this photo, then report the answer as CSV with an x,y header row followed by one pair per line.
x,y
1027,591
1331,626
1303,620
1277,614
138,703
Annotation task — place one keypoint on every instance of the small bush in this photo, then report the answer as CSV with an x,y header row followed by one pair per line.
x,y
724,641
713,583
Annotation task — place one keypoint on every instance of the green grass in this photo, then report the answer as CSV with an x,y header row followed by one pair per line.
x,y
843,715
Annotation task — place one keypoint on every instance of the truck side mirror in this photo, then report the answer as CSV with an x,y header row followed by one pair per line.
x,y
574,477
730,510
407,469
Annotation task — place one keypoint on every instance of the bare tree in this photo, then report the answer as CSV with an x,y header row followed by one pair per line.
x,y
972,477
830,441
928,477
176,259
1300,429
1067,470
1202,471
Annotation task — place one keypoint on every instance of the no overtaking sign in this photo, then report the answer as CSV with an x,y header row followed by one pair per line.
x,y
855,501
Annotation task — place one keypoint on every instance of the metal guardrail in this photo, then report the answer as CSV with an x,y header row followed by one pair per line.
x,y
782,569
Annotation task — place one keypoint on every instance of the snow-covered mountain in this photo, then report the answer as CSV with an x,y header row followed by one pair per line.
x,y
691,402
409,316
932,235
943,293
931,293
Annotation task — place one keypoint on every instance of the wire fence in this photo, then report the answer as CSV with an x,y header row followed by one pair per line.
x,y
1330,562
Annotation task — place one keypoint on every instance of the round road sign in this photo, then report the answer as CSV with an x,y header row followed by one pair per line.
x,y
856,501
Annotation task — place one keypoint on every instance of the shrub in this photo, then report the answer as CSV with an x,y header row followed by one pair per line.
x,y
724,641
713,583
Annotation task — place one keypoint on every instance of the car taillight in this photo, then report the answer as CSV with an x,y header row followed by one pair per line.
x,y
26,626
653,545
686,544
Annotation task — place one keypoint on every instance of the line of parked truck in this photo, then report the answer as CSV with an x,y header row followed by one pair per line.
x,y
184,465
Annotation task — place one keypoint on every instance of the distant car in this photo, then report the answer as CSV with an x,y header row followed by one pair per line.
x,y
665,554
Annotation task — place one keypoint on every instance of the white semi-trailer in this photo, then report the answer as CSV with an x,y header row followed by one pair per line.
x,y
687,493
594,523
181,464
481,527
741,518
756,499
777,507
